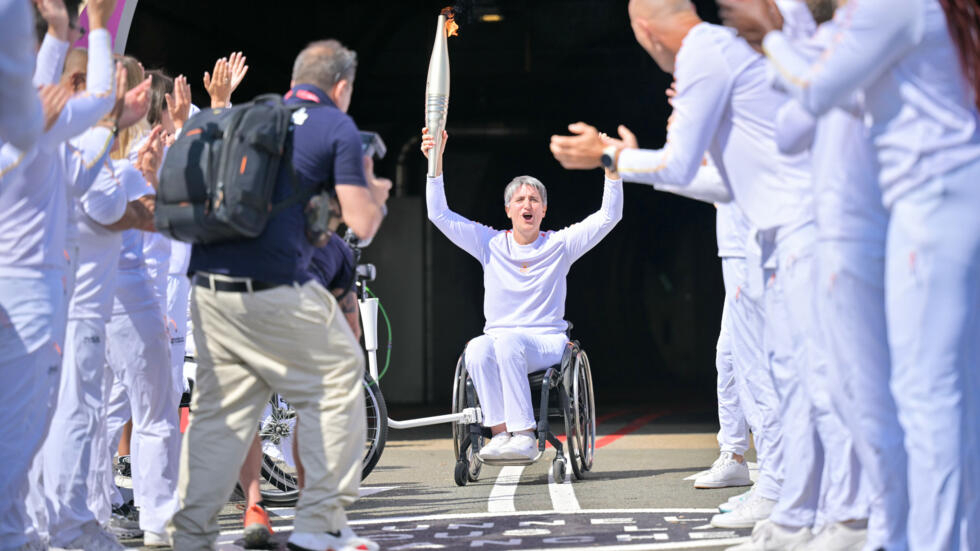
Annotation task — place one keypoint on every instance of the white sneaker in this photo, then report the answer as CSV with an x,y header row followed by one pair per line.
x,y
156,539
839,536
96,539
520,446
769,536
492,449
344,540
752,510
735,501
725,472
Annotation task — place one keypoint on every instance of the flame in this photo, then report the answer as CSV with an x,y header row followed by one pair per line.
x,y
451,26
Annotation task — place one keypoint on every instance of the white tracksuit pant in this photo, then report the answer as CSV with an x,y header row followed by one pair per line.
x,y
821,470
178,299
32,324
756,390
851,305
932,285
138,352
499,364
77,434
733,433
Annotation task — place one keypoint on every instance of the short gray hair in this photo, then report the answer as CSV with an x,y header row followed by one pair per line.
x,y
324,63
516,184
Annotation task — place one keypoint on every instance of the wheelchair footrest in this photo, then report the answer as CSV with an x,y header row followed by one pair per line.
x,y
511,462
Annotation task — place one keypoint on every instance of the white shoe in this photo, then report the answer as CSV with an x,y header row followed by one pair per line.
x,y
769,536
752,510
520,446
156,539
492,449
725,472
735,501
344,540
839,536
96,539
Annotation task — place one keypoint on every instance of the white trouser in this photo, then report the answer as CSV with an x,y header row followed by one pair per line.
x,y
32,323
756,391
821,470
932,283
851,304
499,364
733,433
178,299
77,428
138,352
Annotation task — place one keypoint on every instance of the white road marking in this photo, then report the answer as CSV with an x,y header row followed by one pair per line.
x,y
501,498
562,494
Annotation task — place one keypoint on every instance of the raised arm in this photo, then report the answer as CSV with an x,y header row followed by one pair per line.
x,y
470,236
703,87
581,237
21,118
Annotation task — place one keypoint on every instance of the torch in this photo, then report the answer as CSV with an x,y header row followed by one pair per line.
x,y
437,85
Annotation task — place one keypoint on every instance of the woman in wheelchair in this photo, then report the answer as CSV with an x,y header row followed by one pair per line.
x,y
524,271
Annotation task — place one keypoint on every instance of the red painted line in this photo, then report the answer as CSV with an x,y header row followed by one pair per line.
x,y
630,428
184,419
619,433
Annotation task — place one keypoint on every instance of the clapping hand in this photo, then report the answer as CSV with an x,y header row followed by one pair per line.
x,y
53,99
179,103
581,151
225,78
150,156
753,19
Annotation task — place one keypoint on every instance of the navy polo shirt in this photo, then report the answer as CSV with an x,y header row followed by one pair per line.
x,y
333,265
326,153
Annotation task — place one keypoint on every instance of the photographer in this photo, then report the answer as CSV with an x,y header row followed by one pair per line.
x,y
263,324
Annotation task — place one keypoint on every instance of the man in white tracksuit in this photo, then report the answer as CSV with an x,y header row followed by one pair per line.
x,y
923,121
524,271
725,106
36,269
851,304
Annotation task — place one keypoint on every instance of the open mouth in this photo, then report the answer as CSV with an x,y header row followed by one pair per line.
x,y
527,216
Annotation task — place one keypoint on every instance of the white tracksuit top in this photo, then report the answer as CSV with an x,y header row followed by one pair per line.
x,y
845,168
525,285
920,110
725,105
34,185
98,248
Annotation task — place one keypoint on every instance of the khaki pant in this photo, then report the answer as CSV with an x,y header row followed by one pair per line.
x,y
292,340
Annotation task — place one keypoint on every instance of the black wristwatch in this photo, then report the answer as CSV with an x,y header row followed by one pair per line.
x,y
608,158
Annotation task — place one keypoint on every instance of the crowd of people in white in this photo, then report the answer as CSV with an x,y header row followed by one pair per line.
x,y
840,141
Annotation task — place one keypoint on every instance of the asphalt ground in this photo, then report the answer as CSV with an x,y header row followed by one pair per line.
x,y
639,494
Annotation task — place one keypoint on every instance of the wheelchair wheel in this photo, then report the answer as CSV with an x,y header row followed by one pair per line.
x,y
467,460
580,417
276,432
377,425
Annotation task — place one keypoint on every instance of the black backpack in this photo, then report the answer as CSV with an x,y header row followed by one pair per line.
x,y
218,177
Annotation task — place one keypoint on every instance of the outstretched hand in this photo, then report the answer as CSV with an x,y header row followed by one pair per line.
x,y
753,19
135,103
55,15
581,151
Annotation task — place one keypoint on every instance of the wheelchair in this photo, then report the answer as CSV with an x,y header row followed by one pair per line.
x,y
562,391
